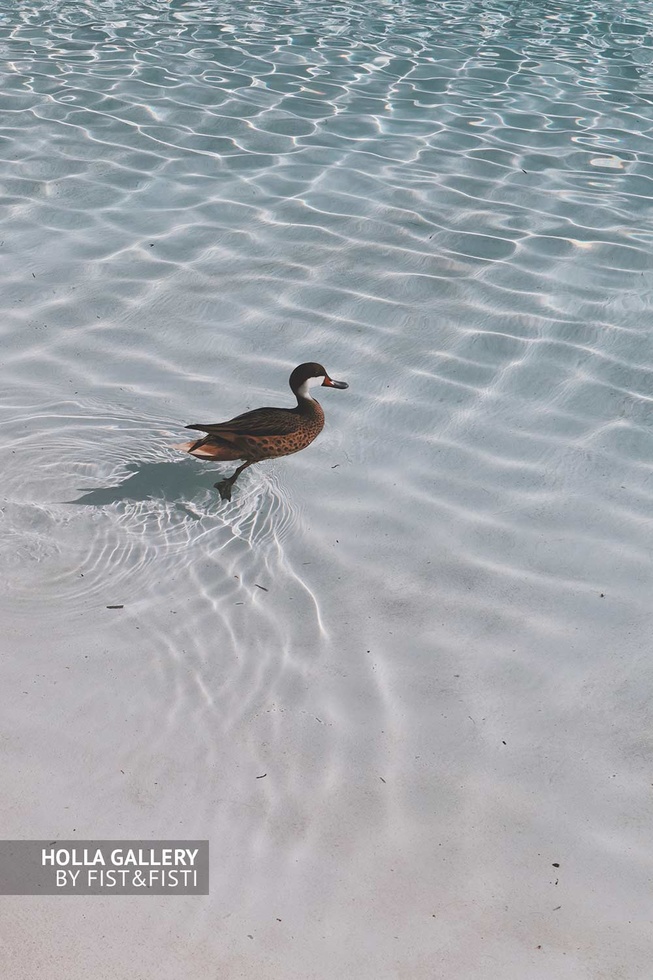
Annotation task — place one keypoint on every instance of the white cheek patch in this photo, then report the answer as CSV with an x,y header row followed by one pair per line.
x,y
303,390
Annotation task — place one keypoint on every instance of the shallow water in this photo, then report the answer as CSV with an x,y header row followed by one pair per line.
x,y
431,630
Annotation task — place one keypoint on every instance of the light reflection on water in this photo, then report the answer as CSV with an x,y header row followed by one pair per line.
x,y
429,630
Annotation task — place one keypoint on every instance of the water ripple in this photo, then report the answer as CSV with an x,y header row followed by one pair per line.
x,y
383,647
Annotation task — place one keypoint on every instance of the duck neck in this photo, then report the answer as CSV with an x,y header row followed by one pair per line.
x,y
307,405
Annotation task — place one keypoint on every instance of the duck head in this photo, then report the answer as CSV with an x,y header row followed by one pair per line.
x,y
310,375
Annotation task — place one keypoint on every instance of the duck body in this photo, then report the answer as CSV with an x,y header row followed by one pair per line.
x,y
265,433
262,434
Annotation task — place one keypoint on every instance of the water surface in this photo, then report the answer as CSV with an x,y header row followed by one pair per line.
x,y
431,630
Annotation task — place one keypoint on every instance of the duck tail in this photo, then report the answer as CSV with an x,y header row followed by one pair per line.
x,y
208,449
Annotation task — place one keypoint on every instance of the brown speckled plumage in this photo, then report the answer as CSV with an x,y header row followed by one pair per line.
x,y
265,433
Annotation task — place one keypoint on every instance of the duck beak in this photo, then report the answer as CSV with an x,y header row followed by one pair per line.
x,y
330,383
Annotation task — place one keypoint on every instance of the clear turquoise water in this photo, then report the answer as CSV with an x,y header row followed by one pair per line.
x,y
431,630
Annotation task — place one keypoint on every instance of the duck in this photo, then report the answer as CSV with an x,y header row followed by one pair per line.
x,y
265,433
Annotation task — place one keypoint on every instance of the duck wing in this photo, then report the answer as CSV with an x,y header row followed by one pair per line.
x,y
259,422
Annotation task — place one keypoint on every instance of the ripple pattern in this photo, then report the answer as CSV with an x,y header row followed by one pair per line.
x,y
404,675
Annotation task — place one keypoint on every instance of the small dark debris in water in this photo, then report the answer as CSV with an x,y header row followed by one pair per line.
x,y
278,920
307,563
151,244
239,603
33,276
523,171
261,587
603,595
263,776
556,864
334,466
382,779
503,743
115,607
538,947
557,907
249,937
